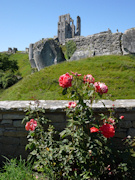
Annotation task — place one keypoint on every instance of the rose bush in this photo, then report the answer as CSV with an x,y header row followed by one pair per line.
x,y
86,147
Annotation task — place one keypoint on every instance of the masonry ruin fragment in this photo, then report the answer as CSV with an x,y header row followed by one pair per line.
x,y
66,28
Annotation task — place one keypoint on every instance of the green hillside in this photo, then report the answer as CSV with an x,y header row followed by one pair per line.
x,y
118,72
23,63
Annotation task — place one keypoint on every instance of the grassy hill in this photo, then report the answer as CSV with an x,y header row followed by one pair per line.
x,y
23,63
118,72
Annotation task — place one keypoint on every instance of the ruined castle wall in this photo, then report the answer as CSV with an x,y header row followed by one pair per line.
x,y
105,43
47,52
31,57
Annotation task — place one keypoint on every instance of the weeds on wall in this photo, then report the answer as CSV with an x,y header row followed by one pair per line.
x,y
68,49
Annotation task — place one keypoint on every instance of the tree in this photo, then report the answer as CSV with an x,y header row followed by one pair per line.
x,y
7,71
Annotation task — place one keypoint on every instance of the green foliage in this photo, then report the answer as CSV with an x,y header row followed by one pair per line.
x,y
6,64
70,48
7,71
118,72
8,79
16,170
77,153
63,47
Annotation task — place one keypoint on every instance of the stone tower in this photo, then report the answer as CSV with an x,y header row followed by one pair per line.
x,y
66,27
78,26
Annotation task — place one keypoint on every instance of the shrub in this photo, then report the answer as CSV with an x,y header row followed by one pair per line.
x,y
7,73
86,147
6,64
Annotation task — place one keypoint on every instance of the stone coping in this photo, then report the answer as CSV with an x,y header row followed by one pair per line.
x,y
60,105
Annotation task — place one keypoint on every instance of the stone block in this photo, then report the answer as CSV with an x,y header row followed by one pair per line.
x,y
21,152
1,131
20,129
21,133
13,133
125,124
120,134
23,141
8,149
131,132
59,126
56,117
18,123
133,124
13,116
10,140
9,133
6,121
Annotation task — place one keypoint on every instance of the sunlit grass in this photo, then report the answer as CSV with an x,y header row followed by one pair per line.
x,y
118,72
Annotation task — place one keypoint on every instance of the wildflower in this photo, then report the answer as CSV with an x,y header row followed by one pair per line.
x,y
93,129
47,149
30,125
107,130
72,104
88,78
65,80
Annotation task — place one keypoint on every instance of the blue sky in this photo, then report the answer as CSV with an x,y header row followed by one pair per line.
x,y
27,21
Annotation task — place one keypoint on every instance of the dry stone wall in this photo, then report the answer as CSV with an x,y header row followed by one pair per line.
x,y
13,136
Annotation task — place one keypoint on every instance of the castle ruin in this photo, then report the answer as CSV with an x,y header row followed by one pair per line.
x,y
48,51
66,28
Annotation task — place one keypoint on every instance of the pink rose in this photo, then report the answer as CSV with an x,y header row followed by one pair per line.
x,y
88,78
121,117
30,125
100,87
72,104
93,129
107,130
65,80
